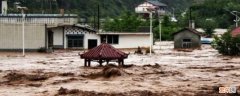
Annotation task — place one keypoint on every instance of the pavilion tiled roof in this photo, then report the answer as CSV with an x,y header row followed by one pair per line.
x,y
235,32
104,51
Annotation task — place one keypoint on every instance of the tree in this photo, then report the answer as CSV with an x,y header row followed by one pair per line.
x,y
227,45
128,22
208,26
168,28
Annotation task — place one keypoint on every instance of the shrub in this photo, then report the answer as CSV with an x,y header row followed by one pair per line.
x,y
227,45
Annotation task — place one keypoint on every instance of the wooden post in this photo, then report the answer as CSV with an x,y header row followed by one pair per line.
x,y
100,62
107,62
119,62
122,62
89,63
85,62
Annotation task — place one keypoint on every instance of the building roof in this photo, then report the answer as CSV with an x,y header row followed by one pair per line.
x,y
156,3
190,30
39,16
84,27
104,51
123,33
235,32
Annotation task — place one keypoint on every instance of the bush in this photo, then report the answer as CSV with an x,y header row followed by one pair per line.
x,y
227,45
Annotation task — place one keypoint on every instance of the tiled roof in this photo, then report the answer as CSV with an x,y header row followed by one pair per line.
x,y
190,30
235,32
156,3
104,51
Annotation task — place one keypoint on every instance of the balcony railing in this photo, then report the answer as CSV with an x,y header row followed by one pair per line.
x,y
51,19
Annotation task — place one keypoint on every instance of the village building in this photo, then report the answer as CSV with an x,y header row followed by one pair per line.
x,y
187,38
37,34
59,31
155,4
125,40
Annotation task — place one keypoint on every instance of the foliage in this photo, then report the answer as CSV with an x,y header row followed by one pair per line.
x,y
168,28
127,22
227,45
87,8
208,26
218,10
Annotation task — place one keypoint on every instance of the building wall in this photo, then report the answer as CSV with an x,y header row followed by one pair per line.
x,y
196,40
90,36
11,36
142,8
78,31
132,41
57,37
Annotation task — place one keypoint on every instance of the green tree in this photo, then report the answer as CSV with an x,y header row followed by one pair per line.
x,y
128,22
168,28
227,45
208,26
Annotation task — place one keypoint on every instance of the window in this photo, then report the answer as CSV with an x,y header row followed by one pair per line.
x,y
75,41
187,43
110,39
186,40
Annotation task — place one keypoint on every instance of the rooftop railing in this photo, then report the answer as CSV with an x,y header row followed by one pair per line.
x,y
51,19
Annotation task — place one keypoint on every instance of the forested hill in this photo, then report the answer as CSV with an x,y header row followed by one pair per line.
x,y
87,8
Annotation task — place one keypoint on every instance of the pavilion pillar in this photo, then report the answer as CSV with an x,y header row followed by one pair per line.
x,y
119,62
85,62
100,62
122,62
107,62
89,63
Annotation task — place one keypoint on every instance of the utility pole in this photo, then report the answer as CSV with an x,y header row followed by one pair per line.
x,y
151,41
98,26
160,28
237,19
190,17
23,27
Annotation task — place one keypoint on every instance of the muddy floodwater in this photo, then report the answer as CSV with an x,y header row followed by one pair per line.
x,y
167,72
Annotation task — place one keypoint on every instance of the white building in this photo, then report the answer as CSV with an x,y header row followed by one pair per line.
x,y
143,7
126,39
36,30
60,32
80,37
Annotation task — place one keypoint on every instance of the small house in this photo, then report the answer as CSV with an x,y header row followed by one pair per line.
x,y
187,38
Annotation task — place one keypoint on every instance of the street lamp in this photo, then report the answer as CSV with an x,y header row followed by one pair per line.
x,y
23,25
151,10
160,13
235,13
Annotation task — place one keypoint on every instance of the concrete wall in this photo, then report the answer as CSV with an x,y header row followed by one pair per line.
x,y
11,36
90,36
178,39
132,41
58,37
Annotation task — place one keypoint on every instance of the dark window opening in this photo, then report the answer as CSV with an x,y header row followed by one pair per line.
x,y
75,41
110,39
187,43
187,40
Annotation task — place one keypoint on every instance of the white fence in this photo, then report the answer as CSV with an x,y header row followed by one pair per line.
x,y
39,19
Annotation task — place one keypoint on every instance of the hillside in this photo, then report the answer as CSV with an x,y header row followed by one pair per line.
x,y
87,8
